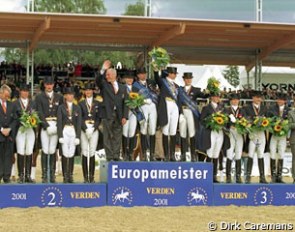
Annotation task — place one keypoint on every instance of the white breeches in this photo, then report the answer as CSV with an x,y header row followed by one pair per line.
x,y
49,142
130,126
25,142
172,114
69,147
150,123
216,144
89,145
236,145
278,144
188,124
257,143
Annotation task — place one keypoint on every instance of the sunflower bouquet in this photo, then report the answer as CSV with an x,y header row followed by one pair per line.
x,y
261,124
134,100
279,127
213,85
216,121
160,58
243,126
29,120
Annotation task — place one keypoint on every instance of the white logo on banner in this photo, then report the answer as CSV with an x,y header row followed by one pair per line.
x,y
122,195
197,196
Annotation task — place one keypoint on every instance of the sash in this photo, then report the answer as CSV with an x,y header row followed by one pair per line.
x,y
166,84
146,92
186,100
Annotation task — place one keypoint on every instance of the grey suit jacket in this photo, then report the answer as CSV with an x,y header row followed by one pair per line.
x,y
291,118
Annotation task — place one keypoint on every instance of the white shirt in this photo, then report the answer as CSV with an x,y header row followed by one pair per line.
x,y
170,80
255,105
235,107
129,87
50,94
214,105
116,86
282,107
25,102
187,88
143,82
89,100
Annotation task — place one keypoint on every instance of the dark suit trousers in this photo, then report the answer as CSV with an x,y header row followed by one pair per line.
x,y
112,136
6,154
293,160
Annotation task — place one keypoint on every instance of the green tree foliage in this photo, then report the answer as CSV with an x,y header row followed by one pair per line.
x,y
136,9
232,75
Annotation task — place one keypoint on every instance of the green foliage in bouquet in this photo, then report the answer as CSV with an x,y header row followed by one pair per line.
x,y
29,120
160,58
134,100
261,124
213,85
279,127
216,121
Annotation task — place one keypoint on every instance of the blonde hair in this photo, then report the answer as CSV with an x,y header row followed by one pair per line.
x,y
5,87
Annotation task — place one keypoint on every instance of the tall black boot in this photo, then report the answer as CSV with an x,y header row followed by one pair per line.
x,y
228,170
165,147
132,144
238,171
124,148
85,169
91,169
143,146
249,170
208,159
194,156
152,147
20,167
273,170
64,164
52,167
261,171
44,166
28,165
183,149
280,171
172,148
215,163
71,170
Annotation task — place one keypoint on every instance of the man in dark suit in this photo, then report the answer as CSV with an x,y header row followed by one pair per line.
x,y
69,132
257,139
168,110
279,110
47,103
114,111
7,135
188,120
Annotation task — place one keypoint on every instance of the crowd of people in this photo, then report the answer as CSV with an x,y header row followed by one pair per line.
x,y
117,114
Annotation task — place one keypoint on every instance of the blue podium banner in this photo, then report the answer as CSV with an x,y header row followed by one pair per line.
x,y
254,194
159,184
57,195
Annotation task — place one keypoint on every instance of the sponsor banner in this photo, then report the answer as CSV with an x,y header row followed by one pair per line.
x,y
254,194
57,195
159,184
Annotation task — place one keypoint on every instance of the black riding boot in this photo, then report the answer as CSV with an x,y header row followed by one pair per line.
x,y
194,156
238,171
166,147
172,148
44,166
124,148
143,146
228,170
52,167
152,147
71,170
183,149
273,170
92,169
85,169
20,167
261,171
65,167
280,171
28,165
132,144
215,163
249,170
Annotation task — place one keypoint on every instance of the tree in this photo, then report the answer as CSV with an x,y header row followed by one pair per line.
x,y
232,75
136,9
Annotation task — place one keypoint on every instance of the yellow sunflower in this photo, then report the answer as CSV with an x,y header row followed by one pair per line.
x,y
33,121
277,128
133,95
216,84
219,120
265,123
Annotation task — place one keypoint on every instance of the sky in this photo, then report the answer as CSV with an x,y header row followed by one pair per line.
x,y
273,10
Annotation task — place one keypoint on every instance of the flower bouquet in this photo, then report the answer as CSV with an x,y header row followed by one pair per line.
x,y
134,100
160,58
279,127
213,85
216,121
261,124
29,120
243,126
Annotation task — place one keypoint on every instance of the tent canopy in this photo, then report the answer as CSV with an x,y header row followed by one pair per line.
x,y
190,41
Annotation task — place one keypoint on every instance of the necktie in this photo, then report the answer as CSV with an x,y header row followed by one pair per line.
x,y
114,88
4,106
